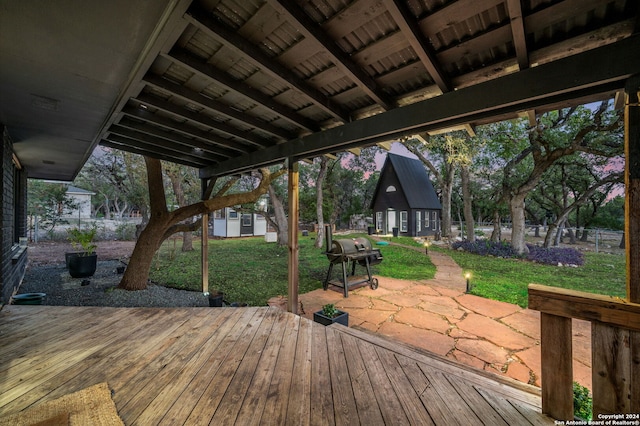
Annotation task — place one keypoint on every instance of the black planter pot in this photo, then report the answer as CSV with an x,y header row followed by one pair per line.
x,y
341,318
215,300
69,255
81,266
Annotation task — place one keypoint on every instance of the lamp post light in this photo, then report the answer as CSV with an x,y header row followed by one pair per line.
x,y
467,276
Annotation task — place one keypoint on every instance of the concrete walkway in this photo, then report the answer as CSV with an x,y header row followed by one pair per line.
x,y
436,315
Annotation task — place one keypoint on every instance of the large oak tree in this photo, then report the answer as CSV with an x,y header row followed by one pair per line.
x,y
164,222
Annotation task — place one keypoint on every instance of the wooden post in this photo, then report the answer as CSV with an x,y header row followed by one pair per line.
x,y
632,186
292,299
557,366
204,241
632,225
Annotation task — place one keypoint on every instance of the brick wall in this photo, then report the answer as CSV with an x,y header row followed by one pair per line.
x,y
13,219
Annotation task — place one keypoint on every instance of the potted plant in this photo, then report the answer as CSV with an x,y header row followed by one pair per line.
x,y
83,262
330,314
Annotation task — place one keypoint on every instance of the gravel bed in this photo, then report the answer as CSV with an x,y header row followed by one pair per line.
x,y
63,290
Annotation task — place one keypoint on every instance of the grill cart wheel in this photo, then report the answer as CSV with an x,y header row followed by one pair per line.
x,y
374,283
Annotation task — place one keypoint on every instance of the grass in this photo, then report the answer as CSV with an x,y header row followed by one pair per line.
x,y
252,271
507,279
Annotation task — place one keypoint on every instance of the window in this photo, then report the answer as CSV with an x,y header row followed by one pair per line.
x,y
434,221
246,220
403,221
233,215
379,221
426,220
218,214
418,221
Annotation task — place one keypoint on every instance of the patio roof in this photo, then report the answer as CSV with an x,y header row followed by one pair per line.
x,y
227,86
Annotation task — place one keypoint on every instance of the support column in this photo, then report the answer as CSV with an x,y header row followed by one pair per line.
x,y
204,242
292,299
632,186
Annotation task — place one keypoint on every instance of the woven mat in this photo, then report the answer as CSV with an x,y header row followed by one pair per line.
x,y
90,406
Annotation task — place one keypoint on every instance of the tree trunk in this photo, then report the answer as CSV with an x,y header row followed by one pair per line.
x,y
518,225
280,218
446,210
319,199
137,273
550,232
496,234
468,204
187,241
584,235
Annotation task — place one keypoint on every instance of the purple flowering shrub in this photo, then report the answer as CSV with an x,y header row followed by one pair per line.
x,y
555,255
546,256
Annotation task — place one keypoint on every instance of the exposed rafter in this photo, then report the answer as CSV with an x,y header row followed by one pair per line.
x,y
209,71
202,119
213,105
411,30
222,146
343,61
152,150
219,31
517,29
548,84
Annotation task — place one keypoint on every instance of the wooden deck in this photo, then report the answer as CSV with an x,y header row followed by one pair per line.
x,y
242,366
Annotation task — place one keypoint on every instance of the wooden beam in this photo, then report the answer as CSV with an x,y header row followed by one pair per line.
x,y
222,146
204,242
214,105
584,306
517,30
562,80
632,186
201,19
310,29
210,72
180,92
293,190
410,28
153,150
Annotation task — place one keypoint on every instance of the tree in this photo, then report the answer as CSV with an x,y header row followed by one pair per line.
x,y
164,223
594,132
49,203
442,170
184,182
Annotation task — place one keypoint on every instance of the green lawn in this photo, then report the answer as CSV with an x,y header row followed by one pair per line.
x,y
252,271
507,279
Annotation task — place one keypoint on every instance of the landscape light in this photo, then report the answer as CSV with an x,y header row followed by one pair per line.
x,y
468,278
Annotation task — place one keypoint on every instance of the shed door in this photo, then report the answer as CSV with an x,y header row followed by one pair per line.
x,y
246,227
391,221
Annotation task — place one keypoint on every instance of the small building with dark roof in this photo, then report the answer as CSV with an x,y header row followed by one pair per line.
x,y
405,199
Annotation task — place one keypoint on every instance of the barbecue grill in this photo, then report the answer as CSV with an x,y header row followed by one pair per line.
x,y
350,253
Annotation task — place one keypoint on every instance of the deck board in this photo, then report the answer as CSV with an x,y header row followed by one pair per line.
x,y
243,366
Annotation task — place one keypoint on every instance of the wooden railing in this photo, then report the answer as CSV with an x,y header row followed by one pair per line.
x,y
615,350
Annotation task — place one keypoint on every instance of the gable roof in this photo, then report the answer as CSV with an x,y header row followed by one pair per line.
x,y
414,182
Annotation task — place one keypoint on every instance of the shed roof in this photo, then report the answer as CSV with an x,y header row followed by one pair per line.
x,y
414,181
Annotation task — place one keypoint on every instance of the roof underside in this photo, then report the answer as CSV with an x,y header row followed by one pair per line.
x,y
230,85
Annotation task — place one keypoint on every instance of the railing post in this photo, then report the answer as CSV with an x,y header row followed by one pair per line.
x,y
557,369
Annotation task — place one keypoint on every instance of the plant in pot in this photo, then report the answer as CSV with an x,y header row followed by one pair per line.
x,y
83,262
330,314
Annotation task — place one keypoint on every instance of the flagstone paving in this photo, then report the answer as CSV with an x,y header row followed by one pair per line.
x,y
438,316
